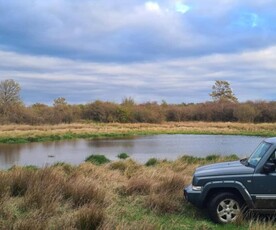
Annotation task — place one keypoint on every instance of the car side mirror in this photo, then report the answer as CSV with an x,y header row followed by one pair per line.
x,y
269,168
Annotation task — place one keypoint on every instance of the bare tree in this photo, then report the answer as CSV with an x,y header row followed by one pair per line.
x,y
223,92
9,93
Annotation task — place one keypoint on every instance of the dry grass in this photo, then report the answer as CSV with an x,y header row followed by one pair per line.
x,y
82,190
17,131
167,194
122,195
89,217
262,225
138,186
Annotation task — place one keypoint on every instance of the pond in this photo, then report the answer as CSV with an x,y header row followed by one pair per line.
x,y
138,148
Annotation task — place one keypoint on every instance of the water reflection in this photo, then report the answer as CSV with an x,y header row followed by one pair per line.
x,y
140,148
9,154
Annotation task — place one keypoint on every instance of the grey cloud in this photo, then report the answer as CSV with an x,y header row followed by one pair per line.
x,y
251,74
124,31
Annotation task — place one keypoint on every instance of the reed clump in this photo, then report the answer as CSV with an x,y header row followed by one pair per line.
x,y
138,186
81,190
89,217
167,194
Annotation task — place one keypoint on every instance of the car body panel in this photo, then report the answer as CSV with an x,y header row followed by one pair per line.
x,y
258,189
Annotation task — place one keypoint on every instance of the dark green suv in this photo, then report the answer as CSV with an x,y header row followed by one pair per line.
x,y
225,188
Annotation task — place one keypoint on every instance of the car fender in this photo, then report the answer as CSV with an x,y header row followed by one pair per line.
x,y
229,184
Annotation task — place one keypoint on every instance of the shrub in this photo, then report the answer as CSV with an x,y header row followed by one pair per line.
x,y
212,157
97,159
232,157
123,156
31,167
151,162
190,159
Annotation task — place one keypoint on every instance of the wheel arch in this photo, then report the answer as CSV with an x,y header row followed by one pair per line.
x,y
213,188
215,191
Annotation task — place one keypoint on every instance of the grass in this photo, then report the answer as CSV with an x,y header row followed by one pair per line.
x,y
26,133
117,195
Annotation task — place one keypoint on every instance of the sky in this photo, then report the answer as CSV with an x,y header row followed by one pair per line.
x,y
172,50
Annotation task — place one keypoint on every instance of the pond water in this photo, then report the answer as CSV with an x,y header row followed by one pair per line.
x,y
138,148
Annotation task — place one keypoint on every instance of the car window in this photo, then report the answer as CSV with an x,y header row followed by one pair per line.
x,y
257,155
272,158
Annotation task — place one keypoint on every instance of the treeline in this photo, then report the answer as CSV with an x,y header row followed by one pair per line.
x,y
130,112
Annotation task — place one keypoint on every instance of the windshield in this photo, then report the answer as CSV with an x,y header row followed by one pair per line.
x,y
258,154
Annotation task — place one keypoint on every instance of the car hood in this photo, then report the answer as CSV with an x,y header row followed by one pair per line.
x,y
222,169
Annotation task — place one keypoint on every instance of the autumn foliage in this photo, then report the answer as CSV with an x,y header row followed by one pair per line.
x,y
224,107
150,112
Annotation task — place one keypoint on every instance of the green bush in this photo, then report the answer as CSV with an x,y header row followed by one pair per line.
x,y
191,159
212,157
31,167
123,156
232,157
97,159
151,162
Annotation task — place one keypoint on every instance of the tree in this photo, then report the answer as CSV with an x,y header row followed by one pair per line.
x,y
9,93
62,111
245,113
60,101
10,102
223,92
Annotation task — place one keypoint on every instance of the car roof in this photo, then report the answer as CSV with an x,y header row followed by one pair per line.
x,y
271,140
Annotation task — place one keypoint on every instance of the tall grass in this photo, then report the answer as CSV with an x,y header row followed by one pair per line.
x,y
110,196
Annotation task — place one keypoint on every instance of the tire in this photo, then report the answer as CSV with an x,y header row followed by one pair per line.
x,y
225,208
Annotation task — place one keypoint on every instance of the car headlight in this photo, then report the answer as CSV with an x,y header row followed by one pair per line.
x,y
197,188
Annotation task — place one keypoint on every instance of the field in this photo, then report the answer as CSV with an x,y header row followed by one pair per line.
x,y
28,133
117,195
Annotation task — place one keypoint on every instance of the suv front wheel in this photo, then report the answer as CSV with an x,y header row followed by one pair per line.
x,y
225,208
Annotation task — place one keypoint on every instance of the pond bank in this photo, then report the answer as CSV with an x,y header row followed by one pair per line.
x,y
25,133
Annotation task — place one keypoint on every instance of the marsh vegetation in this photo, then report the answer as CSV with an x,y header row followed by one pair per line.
x,y
108,195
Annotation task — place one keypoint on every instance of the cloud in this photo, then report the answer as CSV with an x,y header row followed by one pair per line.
x,y
150,50
129,31
176,80
181,7
153,6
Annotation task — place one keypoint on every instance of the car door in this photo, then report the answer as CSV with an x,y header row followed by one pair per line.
x,y
264,187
